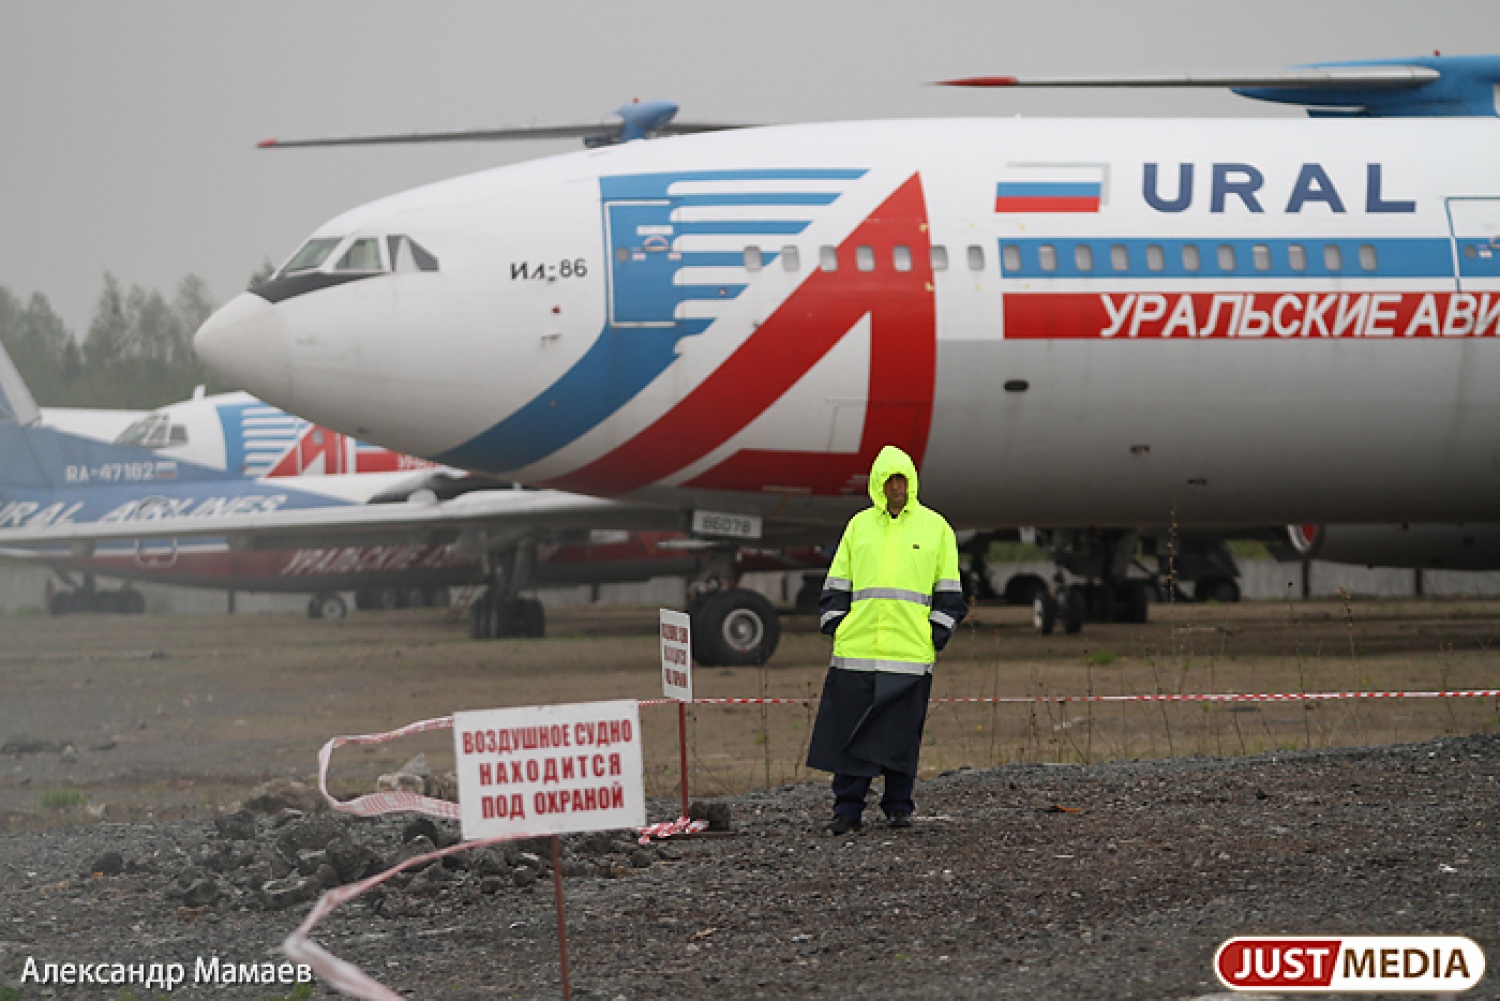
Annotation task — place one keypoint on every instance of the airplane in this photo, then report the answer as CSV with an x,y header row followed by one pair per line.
x,y
1111,330
224,491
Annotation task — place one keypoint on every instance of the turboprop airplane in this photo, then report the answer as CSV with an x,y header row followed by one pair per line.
x,y
227,492
1100,328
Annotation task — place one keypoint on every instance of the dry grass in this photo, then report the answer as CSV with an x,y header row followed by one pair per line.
x,y
200,708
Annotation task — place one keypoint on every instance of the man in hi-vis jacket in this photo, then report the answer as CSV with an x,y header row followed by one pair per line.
x,y
891,601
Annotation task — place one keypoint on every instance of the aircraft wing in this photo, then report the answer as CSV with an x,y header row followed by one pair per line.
x,y
1311,78
639,120
490,517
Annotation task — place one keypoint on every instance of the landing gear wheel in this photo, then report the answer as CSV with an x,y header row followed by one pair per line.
x,y
1218,589
327,606
132,602
736,628
60,603
809,594
438,596
411,597
1071,608
386,599
1134,603
1023,588
529,618
479,618
1044,612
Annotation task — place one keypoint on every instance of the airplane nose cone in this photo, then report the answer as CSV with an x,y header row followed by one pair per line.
x,y
245,342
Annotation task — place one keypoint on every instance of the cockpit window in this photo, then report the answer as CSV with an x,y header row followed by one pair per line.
x,y
363,255
154,431
312,254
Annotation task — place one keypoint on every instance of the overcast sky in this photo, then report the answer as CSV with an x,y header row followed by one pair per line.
x,y
130,127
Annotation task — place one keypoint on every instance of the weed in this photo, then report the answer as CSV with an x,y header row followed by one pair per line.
x,y
9,994
61,799
1103,658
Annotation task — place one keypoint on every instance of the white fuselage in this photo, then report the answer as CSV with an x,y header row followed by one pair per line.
x,y
1067,323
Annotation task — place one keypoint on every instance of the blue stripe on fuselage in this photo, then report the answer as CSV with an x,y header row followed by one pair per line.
x,y
1427,257
629,356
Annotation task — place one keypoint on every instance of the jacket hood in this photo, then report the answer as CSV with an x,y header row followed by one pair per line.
x,y
888,463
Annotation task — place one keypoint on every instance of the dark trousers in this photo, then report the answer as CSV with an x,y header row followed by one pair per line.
x,y
849,793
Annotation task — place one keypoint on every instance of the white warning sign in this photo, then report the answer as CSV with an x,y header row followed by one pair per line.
x,y
549,769
676,655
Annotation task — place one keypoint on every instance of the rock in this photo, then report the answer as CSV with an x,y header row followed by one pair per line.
x,y
420,845
194,888
717,814
326,877
420,827
70,755
411,777
309,834
523,877
640,858
352,861
492,884
108,864
237,826
283,794
310,862
443,786
279,894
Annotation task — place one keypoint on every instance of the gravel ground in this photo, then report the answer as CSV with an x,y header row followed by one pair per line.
x,y
1108,881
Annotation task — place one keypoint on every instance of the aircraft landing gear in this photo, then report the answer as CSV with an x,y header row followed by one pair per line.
x,y
327,605
88,598
492,617
734,628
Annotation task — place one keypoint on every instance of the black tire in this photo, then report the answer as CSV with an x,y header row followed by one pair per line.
x,y
132,602
479,618
1222,590
61,602
314,610
437,596
386,599
1044,612
809,594
364,599
1070,609
329,605
1023,588
736,628
412,597
1134,601
532,619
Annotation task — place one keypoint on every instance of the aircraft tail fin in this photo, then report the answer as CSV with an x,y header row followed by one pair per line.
x,y
16,402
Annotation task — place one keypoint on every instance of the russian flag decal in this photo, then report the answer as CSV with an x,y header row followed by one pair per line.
x,y
1048,196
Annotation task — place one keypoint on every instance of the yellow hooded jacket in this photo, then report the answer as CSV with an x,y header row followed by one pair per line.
x,y
892,597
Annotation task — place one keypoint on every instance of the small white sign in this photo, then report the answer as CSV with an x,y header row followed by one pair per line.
x,y
676,655
549,769
734,526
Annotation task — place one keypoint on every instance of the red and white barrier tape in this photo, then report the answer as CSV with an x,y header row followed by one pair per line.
x,y
341,974
1467,693
671,828
377,803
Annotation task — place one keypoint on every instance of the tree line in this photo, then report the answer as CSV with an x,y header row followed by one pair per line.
x,y
136,354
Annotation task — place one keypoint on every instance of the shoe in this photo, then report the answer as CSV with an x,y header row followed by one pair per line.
x,y
841,825
898,820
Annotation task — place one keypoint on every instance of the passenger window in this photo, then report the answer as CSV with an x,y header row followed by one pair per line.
x,y
312,254
864,258
976,258
1333,257
1367,258
363,255
1156,258
901,258
828,258
1226,257
1083,257
1010,258
752,259
1260,256
1119,257
939,258
1047,257
1296,256
1191,260
791,259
